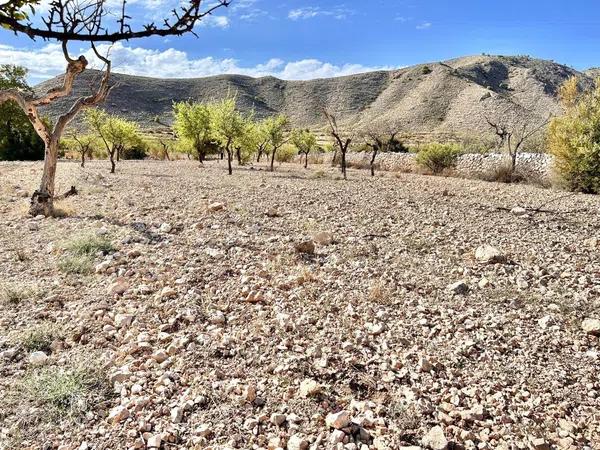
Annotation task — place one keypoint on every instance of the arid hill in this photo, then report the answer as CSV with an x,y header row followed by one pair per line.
x,y
451,97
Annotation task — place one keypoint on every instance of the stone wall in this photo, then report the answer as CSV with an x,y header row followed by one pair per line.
x,y
472,165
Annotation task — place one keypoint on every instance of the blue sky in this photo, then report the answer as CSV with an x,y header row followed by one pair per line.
x,y
301,39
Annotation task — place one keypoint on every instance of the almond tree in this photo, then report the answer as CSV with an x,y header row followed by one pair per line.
x,y
227,125
193,126
305,141
85,145
88,21
275,128
116,134
514,127
381,137
342,140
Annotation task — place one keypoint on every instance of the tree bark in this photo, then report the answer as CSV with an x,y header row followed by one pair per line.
x,y
373,162
273,160
83,159
344,164
306,160
260,152
238,154
229,157
112,161
42,200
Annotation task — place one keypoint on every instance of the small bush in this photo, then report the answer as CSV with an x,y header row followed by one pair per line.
x,y
286,154
89,245
139,151
438,157
426,70
76,264
65,393
40,338
13,295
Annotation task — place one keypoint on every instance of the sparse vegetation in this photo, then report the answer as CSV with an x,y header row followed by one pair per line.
x,y
14,294
65,393
40,337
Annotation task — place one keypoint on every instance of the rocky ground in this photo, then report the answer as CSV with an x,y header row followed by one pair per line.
x,y
175,307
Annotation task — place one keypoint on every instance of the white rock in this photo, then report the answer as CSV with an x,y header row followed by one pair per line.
x,y
168,292
338,420
123,320
154,441
518,211
489,255
38,358
591,326
309,388
165,228
435,439
337,437
297,442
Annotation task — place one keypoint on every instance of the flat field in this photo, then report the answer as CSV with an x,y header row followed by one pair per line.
x,y
170,307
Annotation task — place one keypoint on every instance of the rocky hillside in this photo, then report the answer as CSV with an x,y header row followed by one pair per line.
x,y
450,97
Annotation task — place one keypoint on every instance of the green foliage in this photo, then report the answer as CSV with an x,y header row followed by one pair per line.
x,y
304,140
193,127
426,70
437,157
227,122
574,140
18,139
286,154
14,295
117,134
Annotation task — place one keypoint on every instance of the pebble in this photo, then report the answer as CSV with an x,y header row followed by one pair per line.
x,y
338,420
591,326
489,255
38,358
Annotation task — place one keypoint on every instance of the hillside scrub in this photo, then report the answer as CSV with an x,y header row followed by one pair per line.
x,y
574,139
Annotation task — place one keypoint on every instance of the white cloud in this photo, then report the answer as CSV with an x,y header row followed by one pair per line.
x,y
48,61
215,21
424,26
309,12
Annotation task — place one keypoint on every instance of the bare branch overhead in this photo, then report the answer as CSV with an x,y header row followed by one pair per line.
x,y
76,20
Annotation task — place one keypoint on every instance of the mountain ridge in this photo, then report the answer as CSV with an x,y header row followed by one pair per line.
x,y
435,98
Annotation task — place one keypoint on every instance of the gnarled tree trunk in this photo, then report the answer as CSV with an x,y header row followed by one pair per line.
x,y
42,200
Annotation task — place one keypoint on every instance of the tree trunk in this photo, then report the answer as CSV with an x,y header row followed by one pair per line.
x,y
118,155
83,159
373,163
112,162
306,160
42,199
238,154
344,164
513,166
229,158
260,152
273,160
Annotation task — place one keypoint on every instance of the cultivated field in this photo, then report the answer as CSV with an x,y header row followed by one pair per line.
x,y
176,307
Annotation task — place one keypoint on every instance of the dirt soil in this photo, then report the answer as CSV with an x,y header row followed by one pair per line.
x,y
217,322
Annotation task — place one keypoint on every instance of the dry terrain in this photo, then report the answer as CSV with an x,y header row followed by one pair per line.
x,y
175,307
